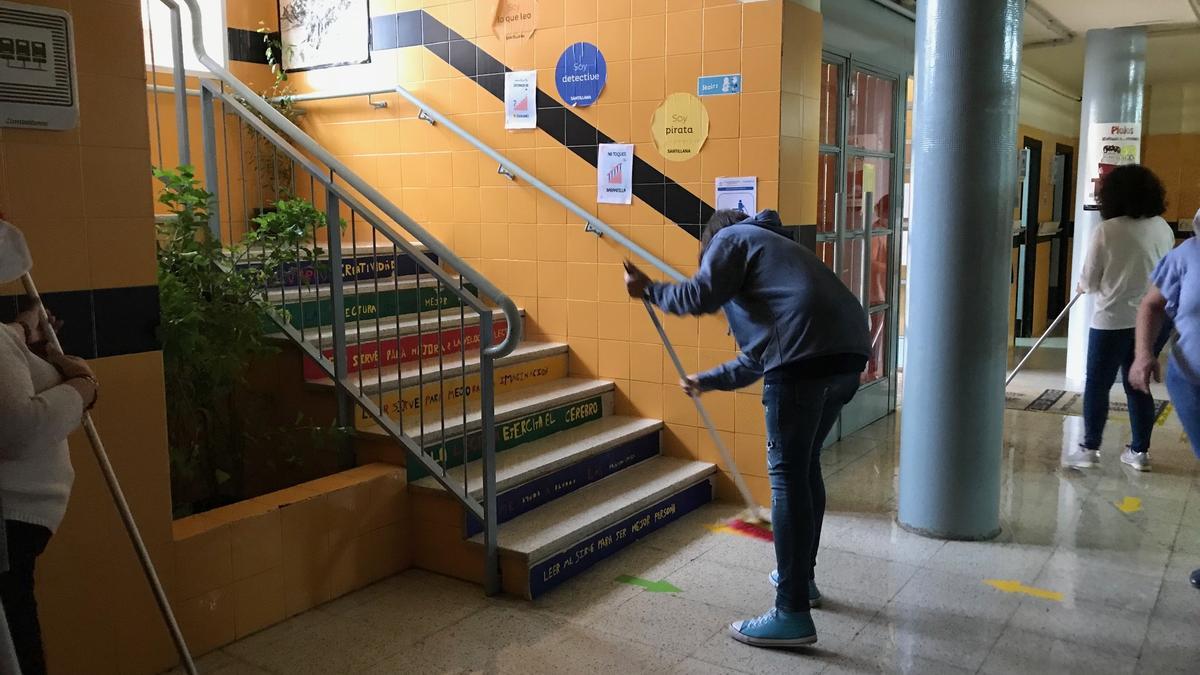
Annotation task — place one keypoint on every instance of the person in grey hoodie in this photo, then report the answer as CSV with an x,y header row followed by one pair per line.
x,y
800,329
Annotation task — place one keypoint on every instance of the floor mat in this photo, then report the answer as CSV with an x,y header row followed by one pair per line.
x,y
1063,402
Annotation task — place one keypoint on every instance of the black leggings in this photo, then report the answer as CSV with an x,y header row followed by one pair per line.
x,y
25,543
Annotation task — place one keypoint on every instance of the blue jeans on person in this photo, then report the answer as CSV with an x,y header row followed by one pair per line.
x,y
1185,396
799,414
1110,351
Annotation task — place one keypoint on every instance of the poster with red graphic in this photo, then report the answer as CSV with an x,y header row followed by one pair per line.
x,y
1110,144
520,99
614,174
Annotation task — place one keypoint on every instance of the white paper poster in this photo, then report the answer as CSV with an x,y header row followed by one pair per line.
x,y
520,99
738,193
1110,144
614,174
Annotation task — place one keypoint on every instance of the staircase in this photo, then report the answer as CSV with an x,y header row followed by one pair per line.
x,y
521,476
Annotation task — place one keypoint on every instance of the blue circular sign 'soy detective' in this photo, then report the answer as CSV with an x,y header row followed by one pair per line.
x,y
580,74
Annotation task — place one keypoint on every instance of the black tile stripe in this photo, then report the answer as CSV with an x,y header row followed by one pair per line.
x,y
100,322
247,45
418,27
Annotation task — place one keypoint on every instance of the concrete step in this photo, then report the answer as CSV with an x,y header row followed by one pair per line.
x,y
516,414
372,345
559,540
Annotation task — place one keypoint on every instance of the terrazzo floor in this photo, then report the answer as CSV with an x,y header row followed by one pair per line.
x,y
1091,587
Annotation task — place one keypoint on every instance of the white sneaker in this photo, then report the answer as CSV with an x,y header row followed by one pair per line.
x,y
1082,458
1138,460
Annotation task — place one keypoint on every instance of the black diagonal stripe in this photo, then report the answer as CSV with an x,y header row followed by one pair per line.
x,y
418,27
99,322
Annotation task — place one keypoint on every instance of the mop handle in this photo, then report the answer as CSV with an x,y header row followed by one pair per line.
x,y
1061,315
114,487
712,430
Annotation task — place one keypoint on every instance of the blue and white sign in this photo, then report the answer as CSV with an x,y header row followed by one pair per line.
x,y
719,85
581,74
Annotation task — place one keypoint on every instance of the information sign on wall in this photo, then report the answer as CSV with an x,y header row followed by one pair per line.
x,y
580,74
1110,144
520,99
515,19
614,174
680,127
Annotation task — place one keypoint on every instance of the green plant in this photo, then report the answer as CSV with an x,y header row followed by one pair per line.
x,y
273,169
212,332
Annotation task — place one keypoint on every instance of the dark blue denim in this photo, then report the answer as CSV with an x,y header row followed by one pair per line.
x,y
799,414
1110,351
1185,396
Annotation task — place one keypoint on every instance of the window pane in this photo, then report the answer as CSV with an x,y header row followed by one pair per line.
x,y
871,113
868,176
215,37
827,185
825,252
852,266
831,104
877,364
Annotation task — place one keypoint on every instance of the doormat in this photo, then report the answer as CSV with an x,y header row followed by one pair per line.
x,y
1063,402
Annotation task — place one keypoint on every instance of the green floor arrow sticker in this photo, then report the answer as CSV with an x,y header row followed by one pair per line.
x,y
652,586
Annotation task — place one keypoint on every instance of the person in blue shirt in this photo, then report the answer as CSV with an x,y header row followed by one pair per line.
x,y
801,330
1175,294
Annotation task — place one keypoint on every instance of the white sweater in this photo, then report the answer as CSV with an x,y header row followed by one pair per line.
x,y
1120,258
37,412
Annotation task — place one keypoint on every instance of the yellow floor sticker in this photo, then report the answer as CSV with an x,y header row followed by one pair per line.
x,y
1129,505
406,403
1014,586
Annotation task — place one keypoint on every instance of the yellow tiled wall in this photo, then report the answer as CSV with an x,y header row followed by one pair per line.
x,y
800,116
1173,158
82,199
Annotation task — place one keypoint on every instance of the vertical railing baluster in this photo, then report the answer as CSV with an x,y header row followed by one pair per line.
x,y
462,352
180,79
212,175
487,419
399,339
421,361
437,342
338,303
154,85
228,180
242,172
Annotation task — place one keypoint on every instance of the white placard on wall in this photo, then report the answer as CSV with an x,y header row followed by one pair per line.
x,y
520,99
614,174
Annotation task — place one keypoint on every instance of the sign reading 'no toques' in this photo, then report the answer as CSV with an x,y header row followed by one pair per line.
x,y
515,19
680,127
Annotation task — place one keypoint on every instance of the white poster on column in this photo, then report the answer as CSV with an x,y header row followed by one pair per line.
x,y
520,99
614,174
1109,145
739,193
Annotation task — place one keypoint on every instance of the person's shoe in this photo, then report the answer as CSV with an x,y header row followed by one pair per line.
x,y
776,628
814,595
1138,460
1195,579
1082,458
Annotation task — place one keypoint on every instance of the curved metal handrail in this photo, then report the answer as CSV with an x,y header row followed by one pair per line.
x,y
306,142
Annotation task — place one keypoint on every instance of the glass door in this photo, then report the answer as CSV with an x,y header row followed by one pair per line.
x,y
859,179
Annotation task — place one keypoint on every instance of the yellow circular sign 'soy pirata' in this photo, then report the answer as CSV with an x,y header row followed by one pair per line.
x,y
680,127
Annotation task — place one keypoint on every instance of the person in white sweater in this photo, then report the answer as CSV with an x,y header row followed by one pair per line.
x,y
1123,252
43,395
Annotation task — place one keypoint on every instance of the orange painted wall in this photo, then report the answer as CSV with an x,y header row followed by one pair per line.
x,y
569,282
1173,158
82,199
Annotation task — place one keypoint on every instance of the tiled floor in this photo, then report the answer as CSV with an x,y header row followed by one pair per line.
x,y
895,602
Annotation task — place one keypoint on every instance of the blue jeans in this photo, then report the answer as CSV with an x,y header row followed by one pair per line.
x,y
799,414
1108,352
1185,396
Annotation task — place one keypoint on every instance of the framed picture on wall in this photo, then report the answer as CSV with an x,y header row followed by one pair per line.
x,y
324,33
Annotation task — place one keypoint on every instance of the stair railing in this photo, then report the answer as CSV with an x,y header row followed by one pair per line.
x,y
418,386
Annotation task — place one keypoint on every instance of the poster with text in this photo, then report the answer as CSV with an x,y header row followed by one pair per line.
x,y
738,193
614,174
680,127
1110,144
520,99
515,19
324,33
580,74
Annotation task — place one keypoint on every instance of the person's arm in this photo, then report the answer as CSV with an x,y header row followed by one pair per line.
x,y
720,278
1093,264
29,417
740,372
1151,314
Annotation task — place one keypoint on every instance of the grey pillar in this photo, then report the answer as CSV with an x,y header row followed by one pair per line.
x,y
1114,83
964,185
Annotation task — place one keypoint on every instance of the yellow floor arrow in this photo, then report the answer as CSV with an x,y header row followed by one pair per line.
x,y
1129,505
1014,586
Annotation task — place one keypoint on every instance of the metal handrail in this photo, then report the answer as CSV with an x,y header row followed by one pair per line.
x,y
369,192
593,224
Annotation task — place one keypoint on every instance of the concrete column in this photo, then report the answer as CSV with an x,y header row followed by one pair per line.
x,y
1114,83
964,185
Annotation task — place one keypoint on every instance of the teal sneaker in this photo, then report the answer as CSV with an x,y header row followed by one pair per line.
x,y
776,629
814,594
